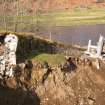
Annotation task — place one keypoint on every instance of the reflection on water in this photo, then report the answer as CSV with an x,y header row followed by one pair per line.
x,y
75,34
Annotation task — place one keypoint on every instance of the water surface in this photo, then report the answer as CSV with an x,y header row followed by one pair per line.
x,y
75,34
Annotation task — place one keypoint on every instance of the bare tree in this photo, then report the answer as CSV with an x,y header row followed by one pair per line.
x,y
16,16
4,15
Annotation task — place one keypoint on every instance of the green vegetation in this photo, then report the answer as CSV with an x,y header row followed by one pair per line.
x,y
54,59
41,50
29,47
34,48
42,19
76,17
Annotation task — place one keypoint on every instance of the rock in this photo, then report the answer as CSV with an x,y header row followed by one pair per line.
x,y
28,64
69,66
96,64
11,83
91,101
21,66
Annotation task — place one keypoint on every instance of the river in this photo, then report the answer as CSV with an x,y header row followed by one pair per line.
x,y
74,34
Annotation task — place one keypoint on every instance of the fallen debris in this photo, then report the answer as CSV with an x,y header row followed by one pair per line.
x,y
96,51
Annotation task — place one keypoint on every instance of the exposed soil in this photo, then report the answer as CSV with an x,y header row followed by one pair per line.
x,y
35,85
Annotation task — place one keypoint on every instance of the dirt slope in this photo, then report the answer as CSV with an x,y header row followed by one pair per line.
x,y
83,86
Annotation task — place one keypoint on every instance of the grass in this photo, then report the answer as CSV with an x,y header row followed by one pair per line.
x,y
76,17
39,50
60,18
53,59
56,18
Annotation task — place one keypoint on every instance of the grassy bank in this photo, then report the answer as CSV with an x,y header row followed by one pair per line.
x,y
41,50
53,59
75,17
42,19
35,48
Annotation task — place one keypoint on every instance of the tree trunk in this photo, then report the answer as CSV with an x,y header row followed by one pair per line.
x,y
4,15
16,17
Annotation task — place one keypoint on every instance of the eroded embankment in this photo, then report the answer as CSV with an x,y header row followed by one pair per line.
x,y
77,82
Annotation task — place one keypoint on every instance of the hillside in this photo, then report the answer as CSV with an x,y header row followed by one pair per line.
x,y
35,85
60,4
76,81
32,5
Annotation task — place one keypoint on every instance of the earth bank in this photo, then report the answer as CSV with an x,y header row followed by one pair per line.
x,y
75,82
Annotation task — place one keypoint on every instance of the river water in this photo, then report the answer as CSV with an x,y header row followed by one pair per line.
x,y
74,34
